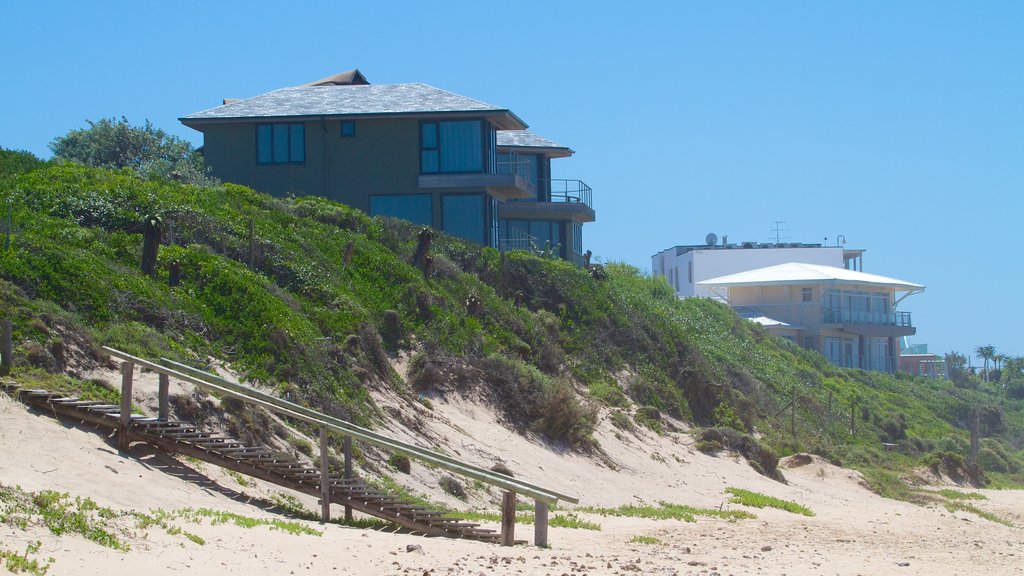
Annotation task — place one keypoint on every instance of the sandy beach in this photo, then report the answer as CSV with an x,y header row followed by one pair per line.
x,y
852,532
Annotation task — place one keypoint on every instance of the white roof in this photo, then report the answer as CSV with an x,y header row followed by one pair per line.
x,y
804,274
773,323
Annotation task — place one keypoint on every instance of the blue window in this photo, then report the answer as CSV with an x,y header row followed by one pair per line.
x,y
280,143
416,208
428,148
463,215
451,147
348,128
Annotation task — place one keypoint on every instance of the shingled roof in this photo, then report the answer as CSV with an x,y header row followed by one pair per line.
x,y
527,139
354,100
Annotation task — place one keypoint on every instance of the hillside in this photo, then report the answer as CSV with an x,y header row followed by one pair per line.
x,y
323,304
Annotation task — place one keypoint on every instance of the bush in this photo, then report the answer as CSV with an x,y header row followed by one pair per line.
x,y
401,463
146,150
301,445
452,486
759,456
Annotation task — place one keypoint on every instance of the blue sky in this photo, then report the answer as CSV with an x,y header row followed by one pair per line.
x,y
897,124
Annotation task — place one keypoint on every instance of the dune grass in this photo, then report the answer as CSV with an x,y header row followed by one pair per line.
x,y
957,495
646,540
963,507
758,500
669,511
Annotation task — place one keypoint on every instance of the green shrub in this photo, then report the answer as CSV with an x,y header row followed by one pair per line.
x,y
759,456
400,462
301,445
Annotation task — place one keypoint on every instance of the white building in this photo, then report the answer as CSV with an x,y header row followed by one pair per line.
x,y
850,317
686,266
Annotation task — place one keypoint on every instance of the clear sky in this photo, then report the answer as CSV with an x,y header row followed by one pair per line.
x,y
897,124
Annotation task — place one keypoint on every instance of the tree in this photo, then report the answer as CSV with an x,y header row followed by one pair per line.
x,y
149,151
986,353
956,368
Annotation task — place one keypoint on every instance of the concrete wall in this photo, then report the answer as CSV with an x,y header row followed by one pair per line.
x,y
714,262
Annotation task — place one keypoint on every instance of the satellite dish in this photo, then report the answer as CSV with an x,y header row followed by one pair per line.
x,y
711,239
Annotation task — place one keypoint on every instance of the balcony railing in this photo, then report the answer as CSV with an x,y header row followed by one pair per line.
x,y
845,316
513,165
570,191
517,240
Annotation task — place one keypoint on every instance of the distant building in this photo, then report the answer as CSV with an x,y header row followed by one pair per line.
x,y
850,317
685,267
411,151
915,359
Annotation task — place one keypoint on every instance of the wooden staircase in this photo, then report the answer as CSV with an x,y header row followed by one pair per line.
x,y
258,462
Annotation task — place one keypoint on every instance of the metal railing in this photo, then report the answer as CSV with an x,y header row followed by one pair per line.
x,y
169,368
517,240
570,191
846,316
513,165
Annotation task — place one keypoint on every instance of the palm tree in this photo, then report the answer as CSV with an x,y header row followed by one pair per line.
x,y
986,353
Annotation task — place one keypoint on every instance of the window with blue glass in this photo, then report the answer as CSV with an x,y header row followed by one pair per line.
x,y
280,143
416,208
464,215
452,147
348,128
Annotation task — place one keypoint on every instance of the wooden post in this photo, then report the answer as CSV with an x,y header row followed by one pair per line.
x,y
6,348
347,448
540,524
162,395
975,438
792,415
126,406
325,479
508,518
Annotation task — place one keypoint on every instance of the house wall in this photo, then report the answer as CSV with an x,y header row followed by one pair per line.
x,y
382,158
714,262
842,347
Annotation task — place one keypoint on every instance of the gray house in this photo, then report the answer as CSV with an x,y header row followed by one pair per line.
x,y
410,151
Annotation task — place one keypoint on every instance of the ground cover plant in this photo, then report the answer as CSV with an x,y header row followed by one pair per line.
x,y
669,511
315,299
758,500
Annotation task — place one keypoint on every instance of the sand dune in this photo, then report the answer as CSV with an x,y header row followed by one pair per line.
x,y
853,531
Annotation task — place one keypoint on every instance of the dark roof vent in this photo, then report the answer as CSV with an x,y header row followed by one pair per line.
x,y
348,78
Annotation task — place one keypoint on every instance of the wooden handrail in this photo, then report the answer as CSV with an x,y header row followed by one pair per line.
x,y
204,379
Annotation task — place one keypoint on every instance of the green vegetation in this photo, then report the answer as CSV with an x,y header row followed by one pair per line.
x,y
570,520
314,299
646,540
961,506
62,515
669,511
957,495
567,520
21,563
146,150
758,500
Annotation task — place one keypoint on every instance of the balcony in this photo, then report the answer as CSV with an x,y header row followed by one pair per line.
x,y
501,186
870,323
568,191
566,200
845,316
